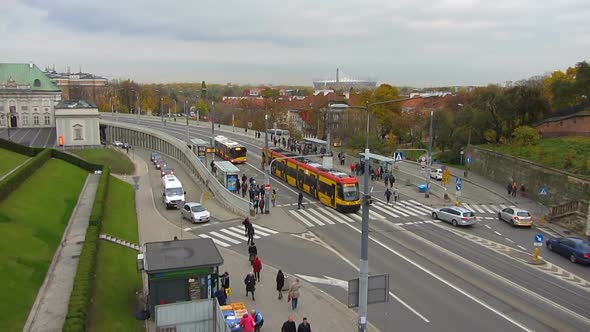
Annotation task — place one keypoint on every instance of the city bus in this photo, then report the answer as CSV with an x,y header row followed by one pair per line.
x,y
331,187
229,150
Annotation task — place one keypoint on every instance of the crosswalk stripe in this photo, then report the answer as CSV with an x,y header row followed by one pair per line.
x,y
436,221
239,231
428,221
260,232
236,235
410,210
375,214
303,220
312,218
340,215
427,210
327,220
483,206
397,210
420,209
465,205
502,206
264,229
476,207
409,223
216,241
223,237
385,211
495,208
400,208
356,216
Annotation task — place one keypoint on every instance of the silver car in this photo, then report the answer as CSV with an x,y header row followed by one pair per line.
x,y
455,215
195,212
516,216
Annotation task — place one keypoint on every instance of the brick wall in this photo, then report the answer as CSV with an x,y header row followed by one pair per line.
x,y
573,125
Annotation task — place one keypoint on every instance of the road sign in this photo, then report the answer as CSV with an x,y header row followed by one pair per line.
x,y
538,244
378,290
459,184
267,187
249,124
398,156
543,191
539,237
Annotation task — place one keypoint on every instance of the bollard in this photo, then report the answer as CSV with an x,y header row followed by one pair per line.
x,y
457,203
542,220
536,254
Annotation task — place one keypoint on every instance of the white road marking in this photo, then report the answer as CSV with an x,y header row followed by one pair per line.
x,y
356,216
495,208
310,217
419,222
320,215
399,223
436,221
384,210
241,230
303,220
234,234
409,223
223,237
478,209
267,230
465,205
490,218
507,239
483,206
502,206
488,226
428,221
521,247
498,233
220,243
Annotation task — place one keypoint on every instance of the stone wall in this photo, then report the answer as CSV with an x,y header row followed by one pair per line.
x,y
563,186
572,125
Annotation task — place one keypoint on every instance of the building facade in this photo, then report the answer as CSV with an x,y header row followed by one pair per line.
x,y
76,86
27,97
76,124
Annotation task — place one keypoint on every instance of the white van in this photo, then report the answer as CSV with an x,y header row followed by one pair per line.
x,y
172,192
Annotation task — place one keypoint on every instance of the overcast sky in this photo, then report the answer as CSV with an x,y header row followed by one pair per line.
x,y
401,42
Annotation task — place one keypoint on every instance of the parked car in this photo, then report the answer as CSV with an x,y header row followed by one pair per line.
x,y
118,144
195,212
455,215
576,249
154,155
516,217
166,170
436,173
160,163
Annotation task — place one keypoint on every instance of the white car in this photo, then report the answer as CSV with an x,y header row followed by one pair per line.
x,y
455,215
436,173
195,212
516,217
118,144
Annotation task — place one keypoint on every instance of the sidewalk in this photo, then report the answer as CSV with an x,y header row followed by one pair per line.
x,y
51,305
323,311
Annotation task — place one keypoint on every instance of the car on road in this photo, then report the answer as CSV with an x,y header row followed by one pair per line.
x,y
160,163
436,173
195,212
118,144
455,215
154,155
126,146
516,216
166,170
576,249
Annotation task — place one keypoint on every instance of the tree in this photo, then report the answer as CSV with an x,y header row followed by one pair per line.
x,y
526,136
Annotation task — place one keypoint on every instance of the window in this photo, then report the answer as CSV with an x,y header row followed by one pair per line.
x,y
37,83
47,120
24,108
46,109
36,120
78,132
35,109
2,120
25,120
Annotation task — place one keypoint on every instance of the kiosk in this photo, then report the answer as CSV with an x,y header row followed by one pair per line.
x,y
227,174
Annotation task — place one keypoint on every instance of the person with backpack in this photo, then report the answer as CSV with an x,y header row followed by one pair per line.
x,y
258,319
255,203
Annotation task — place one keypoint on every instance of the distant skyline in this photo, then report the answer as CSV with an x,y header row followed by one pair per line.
x,y
404,43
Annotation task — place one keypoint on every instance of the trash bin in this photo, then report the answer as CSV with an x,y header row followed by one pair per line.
x,y
422,188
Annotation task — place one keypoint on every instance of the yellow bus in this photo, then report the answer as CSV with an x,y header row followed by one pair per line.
x,y
229,150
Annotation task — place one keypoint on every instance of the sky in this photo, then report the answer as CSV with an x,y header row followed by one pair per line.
x,y
401,42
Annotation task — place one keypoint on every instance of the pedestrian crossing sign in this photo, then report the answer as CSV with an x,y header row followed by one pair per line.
x,y
543,191
398,156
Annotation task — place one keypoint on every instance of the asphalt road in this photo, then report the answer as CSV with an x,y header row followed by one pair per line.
x,y
442,278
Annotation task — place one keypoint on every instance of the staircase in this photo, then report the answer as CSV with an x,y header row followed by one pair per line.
x,y
124,243
571,215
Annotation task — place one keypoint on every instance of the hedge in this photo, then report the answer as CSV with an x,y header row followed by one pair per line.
x,y
18,148
75,160
84,281
16,178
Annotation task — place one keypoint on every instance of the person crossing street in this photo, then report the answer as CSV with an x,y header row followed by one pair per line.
x,y
387,195
300,201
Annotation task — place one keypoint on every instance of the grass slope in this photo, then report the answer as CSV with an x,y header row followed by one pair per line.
x,y
10,160
571,154
117,279
114,158
32,221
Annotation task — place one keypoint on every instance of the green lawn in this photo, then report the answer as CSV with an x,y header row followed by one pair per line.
x,y
32,221
567,153
115,158
10,160
117,279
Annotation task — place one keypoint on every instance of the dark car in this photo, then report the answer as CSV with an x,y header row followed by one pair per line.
x,y
160,163
576,249
165,170
154,156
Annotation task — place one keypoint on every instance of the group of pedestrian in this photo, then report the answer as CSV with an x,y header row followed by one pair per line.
x,y
388,179
289,325
341,158
513,189
389,193
252,322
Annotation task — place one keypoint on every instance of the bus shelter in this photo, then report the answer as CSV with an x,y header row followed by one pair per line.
x,y
314,146
201,148
377,160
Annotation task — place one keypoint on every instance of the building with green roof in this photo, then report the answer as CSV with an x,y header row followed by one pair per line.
x,y
27,97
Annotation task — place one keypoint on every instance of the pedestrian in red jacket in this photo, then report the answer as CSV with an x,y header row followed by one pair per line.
x,y
257,267
247,323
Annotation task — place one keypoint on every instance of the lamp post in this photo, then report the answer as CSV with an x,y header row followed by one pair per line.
x,y
186,115
212,121
429,161
266,168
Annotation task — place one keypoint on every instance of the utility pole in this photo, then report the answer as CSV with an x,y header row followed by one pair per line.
x,y
161,109
364,263
266,166
138,109
429,161
188,141
212,121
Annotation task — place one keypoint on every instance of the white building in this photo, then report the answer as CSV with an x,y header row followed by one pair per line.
x,y
76,124
27,97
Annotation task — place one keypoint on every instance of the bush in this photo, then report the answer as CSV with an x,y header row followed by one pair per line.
x,y
15,179
74,160
18,148
84,281
526,136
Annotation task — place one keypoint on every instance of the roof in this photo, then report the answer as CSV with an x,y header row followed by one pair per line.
x,y
26,74
378,157
75,104
181,254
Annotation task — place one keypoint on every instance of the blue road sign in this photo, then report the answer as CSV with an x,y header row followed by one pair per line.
x,y
398,156
468,160
543,191
539,237
459,184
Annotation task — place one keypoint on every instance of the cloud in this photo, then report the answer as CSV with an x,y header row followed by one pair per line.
x,y
402,42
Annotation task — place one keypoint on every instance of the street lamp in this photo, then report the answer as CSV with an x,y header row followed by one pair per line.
x,y
364,262
212,121
186,115
266,169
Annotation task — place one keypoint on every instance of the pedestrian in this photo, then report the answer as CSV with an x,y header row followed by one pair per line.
x,y
352,168
251,233
280,283
391,180
250,282
289,325
395,194
261,205
221,297
225,283
273,198
244,177
244,188
509,189
294,293
246,224
247,323
522,189
387,195
514,189
258,319
252,252
304,326
300,201
386,179
257,267
255,203
238,186
212,164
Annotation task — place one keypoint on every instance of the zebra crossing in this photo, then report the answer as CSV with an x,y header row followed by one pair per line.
x,y
484,208
226,237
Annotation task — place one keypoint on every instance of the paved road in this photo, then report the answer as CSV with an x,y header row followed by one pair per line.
x,y
449,279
